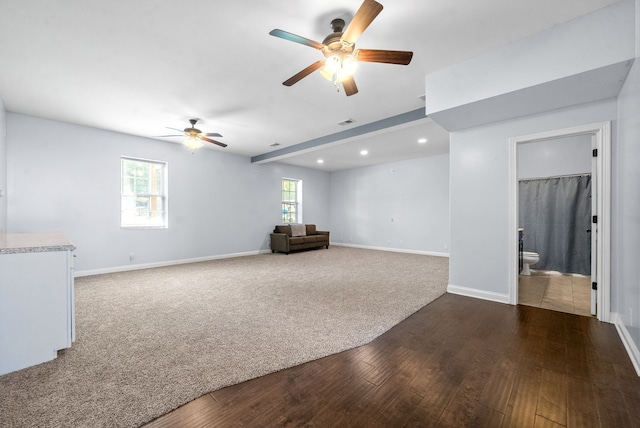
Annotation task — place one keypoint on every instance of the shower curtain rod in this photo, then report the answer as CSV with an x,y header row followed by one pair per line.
x,y
584,174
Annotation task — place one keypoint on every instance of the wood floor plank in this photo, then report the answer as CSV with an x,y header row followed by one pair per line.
x,y
578,419
541,422
457,362
611,407
483,416
552,401
496,391
580,397
344,403
439,396
187,415
523,403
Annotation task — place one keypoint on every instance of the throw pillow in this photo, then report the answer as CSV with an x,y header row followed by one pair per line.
x,y
298,230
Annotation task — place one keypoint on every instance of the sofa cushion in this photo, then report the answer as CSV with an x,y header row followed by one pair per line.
x,y
283,228
311,229
298,230
294,240
312,238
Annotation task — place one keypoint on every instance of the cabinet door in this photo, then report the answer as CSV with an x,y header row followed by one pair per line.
x,y
34,308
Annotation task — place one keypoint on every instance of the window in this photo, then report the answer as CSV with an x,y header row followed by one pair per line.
x,y
291,200
143,194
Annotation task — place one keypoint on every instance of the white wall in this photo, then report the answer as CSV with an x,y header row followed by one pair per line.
x,y
560,156
400,206
576,62
3,167
64,177
625,252
479,255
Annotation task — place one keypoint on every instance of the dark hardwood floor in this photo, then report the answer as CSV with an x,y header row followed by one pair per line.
x,y
458,362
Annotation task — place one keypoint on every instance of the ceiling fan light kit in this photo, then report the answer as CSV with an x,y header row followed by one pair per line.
x,y
192,143
341,57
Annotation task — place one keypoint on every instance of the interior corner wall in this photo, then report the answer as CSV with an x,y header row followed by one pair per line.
x,y
625,213
64,177
399,206
479,195
3,167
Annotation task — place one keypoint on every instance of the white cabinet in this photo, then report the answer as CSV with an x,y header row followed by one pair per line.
x,y
36,299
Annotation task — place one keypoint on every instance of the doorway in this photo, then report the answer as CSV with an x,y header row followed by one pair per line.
x,y
554,222
599,136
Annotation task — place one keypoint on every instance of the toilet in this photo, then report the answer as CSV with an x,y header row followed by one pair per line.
x,y
528,258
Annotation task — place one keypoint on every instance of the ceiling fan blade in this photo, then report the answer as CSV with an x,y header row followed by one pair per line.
x,y
304,73
211,134
361,20
349,85
158,136
295,38
209,140
384,56
176,129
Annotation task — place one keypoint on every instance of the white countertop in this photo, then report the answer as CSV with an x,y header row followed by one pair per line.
x,y
14,243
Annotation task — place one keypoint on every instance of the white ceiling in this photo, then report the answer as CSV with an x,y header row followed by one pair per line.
x,y
138,66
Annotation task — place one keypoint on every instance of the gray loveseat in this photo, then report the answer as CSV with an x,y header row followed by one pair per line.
x,y
286,238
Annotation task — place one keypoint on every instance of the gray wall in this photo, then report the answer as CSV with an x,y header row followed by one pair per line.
x,y
625,252
479,254
400,206
64,177
549,158
3,167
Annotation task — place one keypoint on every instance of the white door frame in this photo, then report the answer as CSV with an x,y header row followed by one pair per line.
x,y
601,133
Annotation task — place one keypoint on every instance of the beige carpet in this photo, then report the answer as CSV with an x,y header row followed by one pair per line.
x,y
151,340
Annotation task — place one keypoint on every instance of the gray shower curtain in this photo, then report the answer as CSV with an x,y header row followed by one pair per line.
x,y
555,213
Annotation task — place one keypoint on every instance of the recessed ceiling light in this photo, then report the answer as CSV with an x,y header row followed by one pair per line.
x,y
364,152
422,140
320,161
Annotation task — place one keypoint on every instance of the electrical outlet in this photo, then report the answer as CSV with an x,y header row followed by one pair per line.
x,y
130,256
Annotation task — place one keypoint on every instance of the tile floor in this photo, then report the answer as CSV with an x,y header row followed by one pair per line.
x,y
556,291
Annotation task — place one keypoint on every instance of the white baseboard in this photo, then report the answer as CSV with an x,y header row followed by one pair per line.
x,y
394,250
478,294
115,269
627,341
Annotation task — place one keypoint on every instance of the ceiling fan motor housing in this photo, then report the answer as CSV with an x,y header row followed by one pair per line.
x,y
333,43
193,130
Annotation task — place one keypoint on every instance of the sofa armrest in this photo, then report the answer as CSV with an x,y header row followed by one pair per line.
x,y
324,232
279,242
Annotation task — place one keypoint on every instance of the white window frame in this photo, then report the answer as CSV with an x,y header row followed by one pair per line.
x,y
297,204
163,195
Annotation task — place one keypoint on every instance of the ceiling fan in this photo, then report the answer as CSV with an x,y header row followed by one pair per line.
x,y
195,136
341,57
